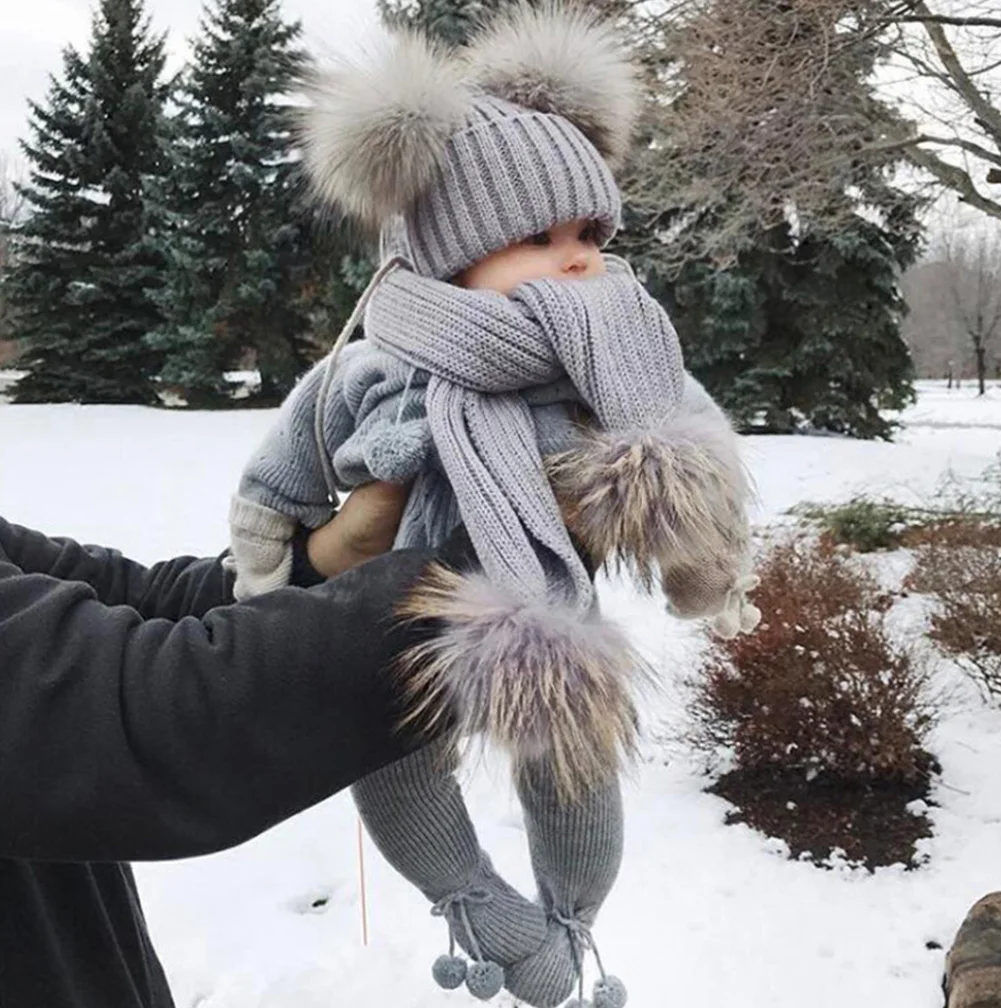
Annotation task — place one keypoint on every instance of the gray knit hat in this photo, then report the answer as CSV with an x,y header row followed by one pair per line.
x,y
512,172
453,155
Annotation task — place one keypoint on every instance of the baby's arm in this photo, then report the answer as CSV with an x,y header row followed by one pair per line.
x,y
363,528
285,472
719,586
283,485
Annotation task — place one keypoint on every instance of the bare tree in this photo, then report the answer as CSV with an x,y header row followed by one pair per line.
x,y
933,333
972,255
948,61
760,111
12,205
764,109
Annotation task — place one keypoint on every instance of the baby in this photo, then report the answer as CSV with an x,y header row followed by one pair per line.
x,y
524,386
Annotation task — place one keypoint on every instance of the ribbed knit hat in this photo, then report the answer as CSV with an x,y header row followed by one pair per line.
x,y
510,173
452,155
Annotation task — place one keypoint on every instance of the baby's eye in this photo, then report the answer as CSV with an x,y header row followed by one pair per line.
x,y
542,238
591,233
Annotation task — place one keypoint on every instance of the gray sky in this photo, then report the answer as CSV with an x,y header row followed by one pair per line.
x,y
34,33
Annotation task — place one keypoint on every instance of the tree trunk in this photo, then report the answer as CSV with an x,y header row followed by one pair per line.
x,y
981,368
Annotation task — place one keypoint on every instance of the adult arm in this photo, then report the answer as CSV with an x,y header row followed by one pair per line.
x,y
125,738
182,586
364,527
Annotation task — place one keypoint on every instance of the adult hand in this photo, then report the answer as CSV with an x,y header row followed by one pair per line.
x,y
363,528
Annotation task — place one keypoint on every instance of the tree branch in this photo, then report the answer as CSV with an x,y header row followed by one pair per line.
x,y
963,83
899,145
941,19
953,178
968,145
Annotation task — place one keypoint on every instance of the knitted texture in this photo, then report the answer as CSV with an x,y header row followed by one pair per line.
x,y
415,813
510,173
503,394
606,334
374,427
261,546
576,852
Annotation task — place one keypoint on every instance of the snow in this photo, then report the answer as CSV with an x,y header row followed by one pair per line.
x,y
703,913
939,406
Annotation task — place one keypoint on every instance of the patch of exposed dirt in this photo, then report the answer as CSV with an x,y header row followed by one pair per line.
x,y
870,823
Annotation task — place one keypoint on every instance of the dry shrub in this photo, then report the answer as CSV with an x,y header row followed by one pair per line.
x,y
965,579
867,524
820,687
951,533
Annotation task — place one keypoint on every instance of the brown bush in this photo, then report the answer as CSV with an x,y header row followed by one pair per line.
x,y
965,580
951,533
819,687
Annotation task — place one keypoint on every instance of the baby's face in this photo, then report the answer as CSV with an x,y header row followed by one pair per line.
x,y
568,251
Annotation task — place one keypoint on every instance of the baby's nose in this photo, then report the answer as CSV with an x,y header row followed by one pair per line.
x,y
576,261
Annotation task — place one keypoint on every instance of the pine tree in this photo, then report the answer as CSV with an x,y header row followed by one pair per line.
x,y
448,21
241,245
803,333
86,262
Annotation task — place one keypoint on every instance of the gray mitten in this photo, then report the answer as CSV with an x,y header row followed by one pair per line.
x,y
260,548
715,586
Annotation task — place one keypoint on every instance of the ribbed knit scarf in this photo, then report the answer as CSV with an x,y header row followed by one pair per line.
x,y
481,349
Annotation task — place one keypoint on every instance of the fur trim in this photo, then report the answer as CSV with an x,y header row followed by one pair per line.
x,y
658,499
542,682
565,61
376,132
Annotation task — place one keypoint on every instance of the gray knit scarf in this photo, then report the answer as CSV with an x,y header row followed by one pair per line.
x,y
482,350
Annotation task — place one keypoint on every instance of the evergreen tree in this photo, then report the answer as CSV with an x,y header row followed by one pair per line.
x,y
449,21
453,21
85,263
785,297
244,269
803,334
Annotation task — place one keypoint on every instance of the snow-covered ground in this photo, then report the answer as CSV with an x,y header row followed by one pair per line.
x,y
703,913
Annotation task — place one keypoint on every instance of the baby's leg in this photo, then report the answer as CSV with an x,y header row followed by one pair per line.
x,y
576,851
416,816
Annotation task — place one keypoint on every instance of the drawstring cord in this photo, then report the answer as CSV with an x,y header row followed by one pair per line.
x,y
581,941
389,266
403,398
609,991
483,978
460,900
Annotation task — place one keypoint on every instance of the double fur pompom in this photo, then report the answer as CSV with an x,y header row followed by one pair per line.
x,y
377,129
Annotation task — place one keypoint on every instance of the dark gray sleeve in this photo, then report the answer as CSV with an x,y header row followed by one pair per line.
x,y
179,587
130,738
183,586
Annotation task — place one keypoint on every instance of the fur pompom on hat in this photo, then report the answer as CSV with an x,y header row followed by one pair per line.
x,y
565,62
454,155
376,131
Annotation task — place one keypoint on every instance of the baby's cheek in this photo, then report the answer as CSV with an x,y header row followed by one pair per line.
x,y
523,265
